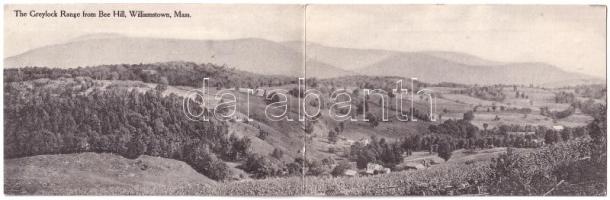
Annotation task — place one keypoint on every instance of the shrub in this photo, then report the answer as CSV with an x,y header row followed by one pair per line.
x,y
261,166
277,154
444,151
341,168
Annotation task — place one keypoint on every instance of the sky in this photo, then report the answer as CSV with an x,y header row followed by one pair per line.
x,y
570,37
272,22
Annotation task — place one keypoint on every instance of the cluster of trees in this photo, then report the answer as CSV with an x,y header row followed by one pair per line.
x,y
129,123
545,111
264,167
386,83
376,151
420,115
564,135
456,128
390,154
458,134
261,166
565,97
577,167
172,73
521,95
462,134
595,91
491,93
588,106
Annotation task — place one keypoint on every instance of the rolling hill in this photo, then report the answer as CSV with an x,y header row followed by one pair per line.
x,y
431,68
440,66
286,58
253,55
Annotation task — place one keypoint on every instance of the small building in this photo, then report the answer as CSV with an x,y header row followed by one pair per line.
x,y
244,90
372,168
350,173
538,142
364,141
259,92
414,165
558,128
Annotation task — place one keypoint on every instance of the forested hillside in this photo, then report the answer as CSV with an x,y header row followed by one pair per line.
x,y
54,117
172,73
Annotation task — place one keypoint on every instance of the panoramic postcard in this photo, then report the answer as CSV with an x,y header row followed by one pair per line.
x,y
304,100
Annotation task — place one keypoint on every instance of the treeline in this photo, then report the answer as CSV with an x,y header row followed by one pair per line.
x,y
491,93
377,151
595,91
588,106
545,111
172,73
463,135
130,123
386,83
565,97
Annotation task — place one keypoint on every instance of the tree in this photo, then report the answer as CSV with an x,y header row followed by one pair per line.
x,y
372,119
135,148
316,168
260,166
341,168
566,133
296,167
468,116
241,147
485,125
262,134
272,98
332,137
444,151
309,127
550,137
277,153
204,161
597,130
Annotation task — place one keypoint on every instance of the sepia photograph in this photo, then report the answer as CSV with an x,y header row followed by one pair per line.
x,y
296,100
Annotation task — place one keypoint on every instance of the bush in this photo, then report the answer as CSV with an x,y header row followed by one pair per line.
x,y
277,154
261,166
316,168
332,137
444,151
468,116
341,168
207,163
373,120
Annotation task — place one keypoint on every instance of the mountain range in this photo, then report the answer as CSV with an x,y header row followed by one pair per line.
x,y
286,58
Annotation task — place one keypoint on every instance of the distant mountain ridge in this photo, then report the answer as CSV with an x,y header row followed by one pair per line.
x,y
286,58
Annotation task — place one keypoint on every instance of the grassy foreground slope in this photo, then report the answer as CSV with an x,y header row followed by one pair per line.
x,y
563,169
99,174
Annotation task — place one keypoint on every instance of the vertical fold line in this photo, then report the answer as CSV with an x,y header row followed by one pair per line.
x,y
304,67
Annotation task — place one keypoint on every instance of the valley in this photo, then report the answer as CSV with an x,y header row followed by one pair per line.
x,y
279,152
